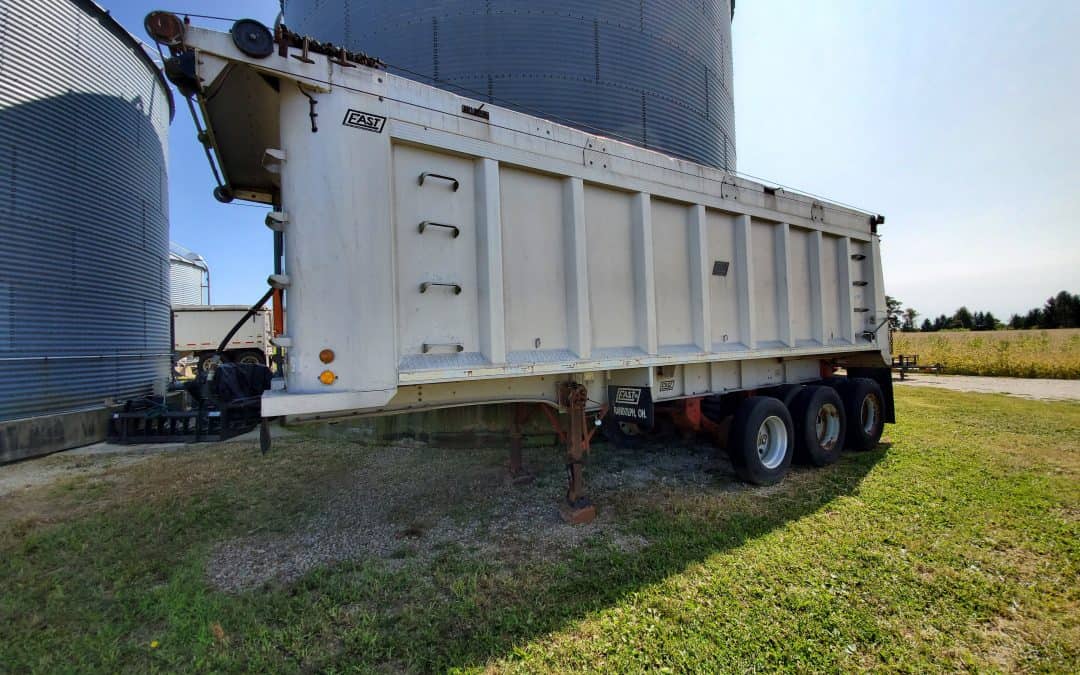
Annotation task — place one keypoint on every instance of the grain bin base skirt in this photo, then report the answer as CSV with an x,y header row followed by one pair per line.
x,y
45,434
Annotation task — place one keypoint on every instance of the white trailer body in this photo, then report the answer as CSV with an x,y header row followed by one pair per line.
x,y
199,329
447,258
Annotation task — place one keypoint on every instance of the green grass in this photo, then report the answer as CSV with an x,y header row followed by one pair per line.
x,y
1003,353
954,546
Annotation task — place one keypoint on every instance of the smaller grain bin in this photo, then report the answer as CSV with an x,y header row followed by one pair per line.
x,y
189,277
84,288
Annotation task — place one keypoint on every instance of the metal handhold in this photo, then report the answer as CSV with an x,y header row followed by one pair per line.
x,y
440,176
428,284
428,346
430,223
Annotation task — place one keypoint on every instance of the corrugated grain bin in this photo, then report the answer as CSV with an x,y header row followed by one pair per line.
x,y
189,277
84,289
656,73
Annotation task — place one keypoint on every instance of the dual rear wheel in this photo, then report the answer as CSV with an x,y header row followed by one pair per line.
x,y
208,360
811,424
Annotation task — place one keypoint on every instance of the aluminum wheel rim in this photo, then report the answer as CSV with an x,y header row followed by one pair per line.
x,y
827,426
772,442
871,410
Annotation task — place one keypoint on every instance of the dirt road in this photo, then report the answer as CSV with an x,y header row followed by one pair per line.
x,y
1044,390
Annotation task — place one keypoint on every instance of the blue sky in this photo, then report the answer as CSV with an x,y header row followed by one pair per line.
x,y
958,120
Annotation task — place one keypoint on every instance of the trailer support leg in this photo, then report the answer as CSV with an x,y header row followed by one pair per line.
x,y
578,509
519,415
264,435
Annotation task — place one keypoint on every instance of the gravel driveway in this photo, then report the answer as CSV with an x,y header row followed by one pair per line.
x,y
1045,390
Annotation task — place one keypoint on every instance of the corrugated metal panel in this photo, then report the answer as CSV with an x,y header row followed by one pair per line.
x,y
186,283
655,73
84,296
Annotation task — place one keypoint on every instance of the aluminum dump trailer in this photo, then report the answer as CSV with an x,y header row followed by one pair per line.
x,y
199,329
439,252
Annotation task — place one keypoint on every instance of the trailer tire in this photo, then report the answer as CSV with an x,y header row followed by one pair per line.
x,y
251,356
864,405
206,362
787,393
835,382
717,407
761,440
820,425
623,435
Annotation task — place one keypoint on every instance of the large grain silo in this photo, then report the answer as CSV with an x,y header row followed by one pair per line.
x,y
656,73
84,296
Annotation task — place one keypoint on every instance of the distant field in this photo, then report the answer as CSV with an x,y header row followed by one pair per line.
x,y
1003,353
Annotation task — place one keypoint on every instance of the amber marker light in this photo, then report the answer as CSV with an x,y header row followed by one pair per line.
x,y
327,377
326,355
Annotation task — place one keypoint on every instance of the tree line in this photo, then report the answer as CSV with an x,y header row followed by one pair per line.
x,y
1059,311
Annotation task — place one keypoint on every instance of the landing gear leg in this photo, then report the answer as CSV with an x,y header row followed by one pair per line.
x,y
264,435
578,509
518,417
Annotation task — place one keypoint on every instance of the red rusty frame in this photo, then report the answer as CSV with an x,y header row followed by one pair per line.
x,y
278,313
826,369
573,397
553,418
519,415
687,416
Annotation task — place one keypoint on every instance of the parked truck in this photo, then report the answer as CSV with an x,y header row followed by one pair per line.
x,y
438,251
199,329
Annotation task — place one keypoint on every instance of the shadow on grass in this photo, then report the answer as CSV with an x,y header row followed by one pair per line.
x,y
473,612
137,573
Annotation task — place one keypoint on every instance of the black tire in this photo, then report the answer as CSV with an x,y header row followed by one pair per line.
x,y
718,407
623,435
820,425
252,356
864,405
756,416
787,393
206,362
836,382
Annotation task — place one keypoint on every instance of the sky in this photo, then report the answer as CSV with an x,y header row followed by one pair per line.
x,y
959,120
